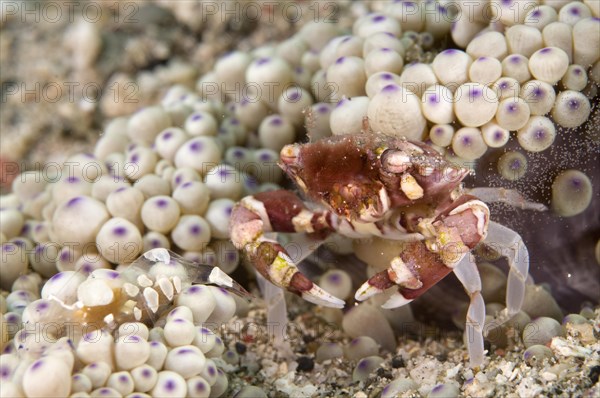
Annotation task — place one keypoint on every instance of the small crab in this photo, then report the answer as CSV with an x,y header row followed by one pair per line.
x,y
142,292
374,185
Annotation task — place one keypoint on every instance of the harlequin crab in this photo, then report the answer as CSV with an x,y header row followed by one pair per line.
x,y
374,185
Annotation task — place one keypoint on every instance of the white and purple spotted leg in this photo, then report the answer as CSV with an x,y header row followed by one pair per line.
x,y
510,244
467,273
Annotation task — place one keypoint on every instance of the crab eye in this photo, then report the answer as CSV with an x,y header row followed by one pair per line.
x,y
289,153
395,161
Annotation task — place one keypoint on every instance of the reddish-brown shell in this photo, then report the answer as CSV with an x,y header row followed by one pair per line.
x,y
347,172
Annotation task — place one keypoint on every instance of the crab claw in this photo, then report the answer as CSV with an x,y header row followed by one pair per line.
x,y
398,273
414,271
280,211
317,295
378,284
284,273
396,300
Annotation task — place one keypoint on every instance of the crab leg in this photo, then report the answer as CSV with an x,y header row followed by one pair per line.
x,y
518,262
279,211
509,196
448,238
467,273
414,271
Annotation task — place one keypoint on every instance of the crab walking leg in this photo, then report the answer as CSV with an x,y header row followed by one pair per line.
x,y
509,196
518,261
279,211
467,273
